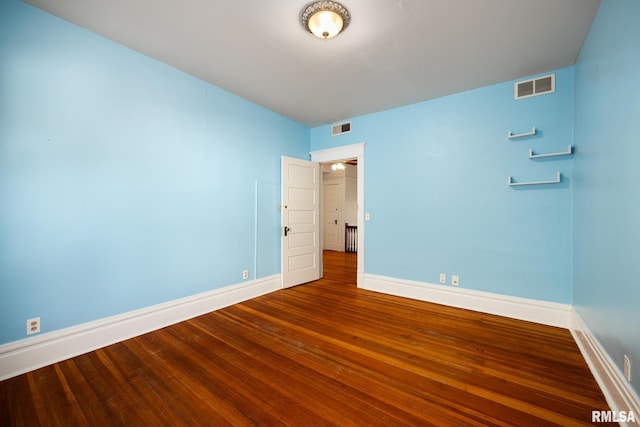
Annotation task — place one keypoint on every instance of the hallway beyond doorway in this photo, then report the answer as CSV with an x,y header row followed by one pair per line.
x,y
340,267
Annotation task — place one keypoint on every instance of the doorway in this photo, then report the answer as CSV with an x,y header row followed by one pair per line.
x,y
339,221
339,205
353,152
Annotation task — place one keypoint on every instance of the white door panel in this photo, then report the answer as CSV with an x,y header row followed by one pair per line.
x,y
331,216
300,221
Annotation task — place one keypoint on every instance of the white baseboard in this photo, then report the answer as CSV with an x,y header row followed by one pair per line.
x,y
32,353
619,394
547,313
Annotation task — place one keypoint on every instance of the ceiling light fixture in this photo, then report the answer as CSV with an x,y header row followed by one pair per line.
x,y
338,166
325,19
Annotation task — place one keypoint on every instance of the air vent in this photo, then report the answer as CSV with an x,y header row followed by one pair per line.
x,y
534,87
341,128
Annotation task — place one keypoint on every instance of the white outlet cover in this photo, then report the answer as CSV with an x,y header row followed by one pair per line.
x,y
455,280
443,278
33,326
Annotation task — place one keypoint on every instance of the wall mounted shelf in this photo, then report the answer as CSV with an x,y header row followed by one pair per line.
x,y
554,181
540,156
521,135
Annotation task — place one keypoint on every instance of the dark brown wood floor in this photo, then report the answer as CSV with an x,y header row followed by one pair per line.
x,y
325,353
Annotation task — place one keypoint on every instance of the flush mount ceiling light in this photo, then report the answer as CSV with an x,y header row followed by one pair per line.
x,y
325,19
338,166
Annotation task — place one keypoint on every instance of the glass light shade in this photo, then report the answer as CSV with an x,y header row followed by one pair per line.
x,y
325,24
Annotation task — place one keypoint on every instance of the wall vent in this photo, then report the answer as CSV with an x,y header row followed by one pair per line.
x,y
534,87
341,128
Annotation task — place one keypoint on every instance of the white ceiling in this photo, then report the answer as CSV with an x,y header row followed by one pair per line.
x,y
394,52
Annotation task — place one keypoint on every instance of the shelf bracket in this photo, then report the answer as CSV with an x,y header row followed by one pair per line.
x,y
521,135
539,156
554,181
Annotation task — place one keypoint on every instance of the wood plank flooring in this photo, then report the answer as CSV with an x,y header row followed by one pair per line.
x,y
324,353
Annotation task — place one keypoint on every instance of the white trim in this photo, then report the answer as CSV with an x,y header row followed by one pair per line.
x,y
544,312
32,353
338,153
619,394
342,153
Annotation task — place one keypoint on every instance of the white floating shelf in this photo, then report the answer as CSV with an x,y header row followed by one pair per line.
x,y
555,181
540,156
521,135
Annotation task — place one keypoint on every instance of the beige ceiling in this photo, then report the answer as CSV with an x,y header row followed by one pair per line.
x,y
394,52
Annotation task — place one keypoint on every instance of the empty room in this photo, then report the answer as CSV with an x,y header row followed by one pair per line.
x,y
409,212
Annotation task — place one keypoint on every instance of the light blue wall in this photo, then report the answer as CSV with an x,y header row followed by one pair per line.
x,y
436,187
124,182
607,179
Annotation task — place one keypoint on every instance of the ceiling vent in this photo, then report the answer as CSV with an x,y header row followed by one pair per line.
x,y
534,87
340,129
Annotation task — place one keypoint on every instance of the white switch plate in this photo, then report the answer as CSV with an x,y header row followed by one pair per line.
x,y
367,216
455,280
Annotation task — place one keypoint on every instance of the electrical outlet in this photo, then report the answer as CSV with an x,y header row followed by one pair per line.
x,y
443,278
455,280
245,274
33,326
627,367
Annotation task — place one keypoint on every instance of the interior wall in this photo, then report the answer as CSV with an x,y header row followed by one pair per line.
x,y
436,190
124,182
606,202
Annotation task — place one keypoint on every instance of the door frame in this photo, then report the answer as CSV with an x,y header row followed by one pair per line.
x,y
344,153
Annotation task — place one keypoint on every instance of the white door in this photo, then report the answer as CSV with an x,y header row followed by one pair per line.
x,y
300,221
331,216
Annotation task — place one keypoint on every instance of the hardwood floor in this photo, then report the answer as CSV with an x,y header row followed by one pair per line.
x,y
324,353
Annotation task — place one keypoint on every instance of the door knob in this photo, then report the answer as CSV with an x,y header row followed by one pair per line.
x,y
286,230
335,221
